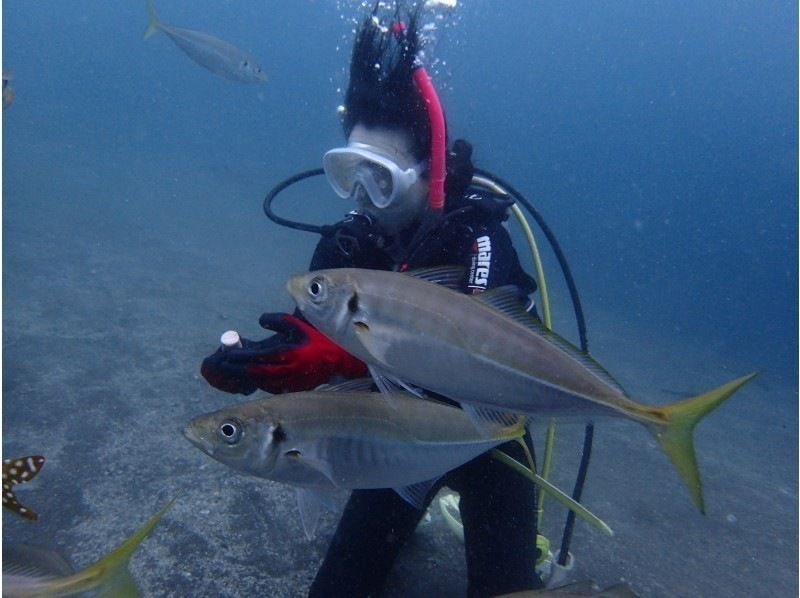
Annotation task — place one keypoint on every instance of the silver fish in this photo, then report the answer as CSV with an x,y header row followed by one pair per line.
x,y
41,572
8,91
580,589
485,352
218,56
322,440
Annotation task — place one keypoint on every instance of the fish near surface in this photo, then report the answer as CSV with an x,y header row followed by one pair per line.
x,y
8,91
214,54
33,571
485,352
323,440
19,471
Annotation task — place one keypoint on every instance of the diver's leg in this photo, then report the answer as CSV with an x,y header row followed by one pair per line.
x,y
498,512
374,526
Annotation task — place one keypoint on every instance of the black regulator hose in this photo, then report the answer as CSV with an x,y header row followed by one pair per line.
x,y
566,538
311,228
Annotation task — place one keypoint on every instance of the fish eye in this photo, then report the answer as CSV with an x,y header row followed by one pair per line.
x,y
231,431
316,289
244,64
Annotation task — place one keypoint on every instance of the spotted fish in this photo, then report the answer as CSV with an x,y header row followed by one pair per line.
x,y
19,471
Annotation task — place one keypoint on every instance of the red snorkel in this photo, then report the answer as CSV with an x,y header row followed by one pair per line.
x,y
438,133
438,140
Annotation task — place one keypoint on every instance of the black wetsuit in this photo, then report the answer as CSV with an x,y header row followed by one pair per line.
x,y
497,504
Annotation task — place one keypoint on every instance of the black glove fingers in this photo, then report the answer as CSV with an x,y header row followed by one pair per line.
x,y
283,324
277,322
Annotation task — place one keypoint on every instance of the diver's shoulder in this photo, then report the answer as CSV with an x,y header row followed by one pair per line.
x,y
484,204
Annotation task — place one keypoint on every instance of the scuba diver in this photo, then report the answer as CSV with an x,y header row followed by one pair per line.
x,y
414,208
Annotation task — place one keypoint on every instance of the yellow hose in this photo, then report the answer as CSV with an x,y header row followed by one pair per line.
x,y
545,300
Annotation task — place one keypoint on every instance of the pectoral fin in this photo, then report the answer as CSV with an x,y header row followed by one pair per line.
x,y
375,344
305,461
311,502
310,507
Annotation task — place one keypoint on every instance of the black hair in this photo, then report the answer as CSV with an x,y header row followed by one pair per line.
x,y
382,92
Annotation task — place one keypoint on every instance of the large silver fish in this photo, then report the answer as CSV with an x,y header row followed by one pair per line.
x,y
216,55
485,352
41,572
321,440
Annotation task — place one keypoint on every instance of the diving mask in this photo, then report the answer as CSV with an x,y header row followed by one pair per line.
x,y
358,165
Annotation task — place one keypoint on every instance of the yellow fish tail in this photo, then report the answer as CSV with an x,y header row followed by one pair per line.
x,y
154,24
111,571
675,433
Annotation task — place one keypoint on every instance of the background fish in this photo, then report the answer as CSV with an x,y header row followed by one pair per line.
x,y
486,352
578,589
218,56
33,571
19,471
328,439
8,91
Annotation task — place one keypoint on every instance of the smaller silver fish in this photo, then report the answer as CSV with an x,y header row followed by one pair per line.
x,y
19,471
214,54
324,440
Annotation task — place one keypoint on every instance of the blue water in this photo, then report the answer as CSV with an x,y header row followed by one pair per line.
x,y
658,139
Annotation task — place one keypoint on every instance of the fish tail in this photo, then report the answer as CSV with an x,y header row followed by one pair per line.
x,y
674,432
153,24
113,568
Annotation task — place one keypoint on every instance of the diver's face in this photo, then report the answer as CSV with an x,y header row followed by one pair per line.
x,y
394,144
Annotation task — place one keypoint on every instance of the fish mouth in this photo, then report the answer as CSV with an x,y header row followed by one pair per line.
x,y
191,434
295,286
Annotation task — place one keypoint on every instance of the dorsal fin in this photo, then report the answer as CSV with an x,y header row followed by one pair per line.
x,y
355,385
505,299
451,277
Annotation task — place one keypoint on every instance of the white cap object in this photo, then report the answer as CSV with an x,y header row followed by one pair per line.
x,y
230,339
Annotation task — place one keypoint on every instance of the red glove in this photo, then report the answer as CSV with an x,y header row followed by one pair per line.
x,y
296,358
